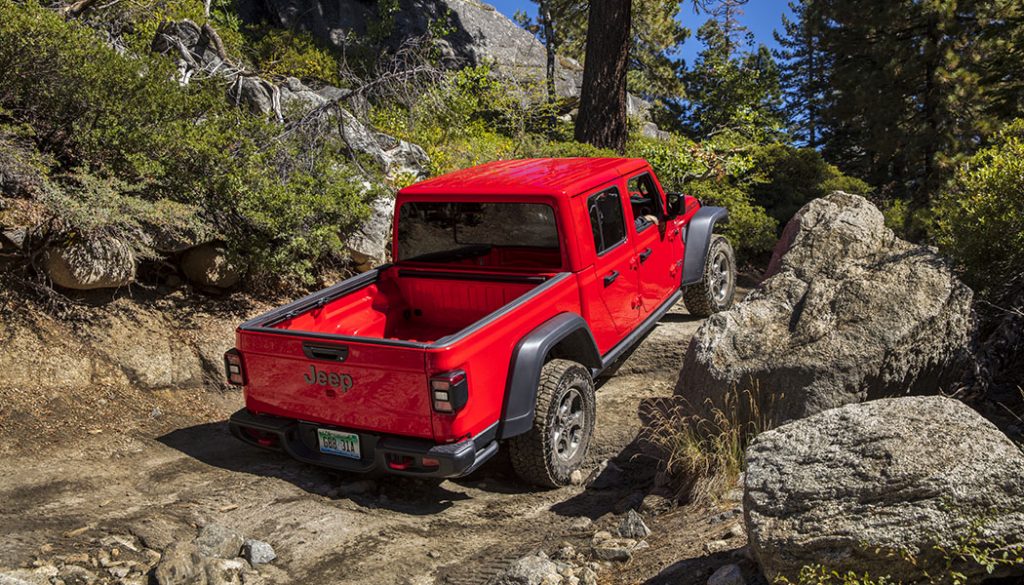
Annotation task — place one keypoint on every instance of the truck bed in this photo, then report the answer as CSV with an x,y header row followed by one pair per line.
x,y
412,305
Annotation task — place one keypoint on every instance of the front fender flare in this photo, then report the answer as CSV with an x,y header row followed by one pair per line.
x,y
567,330
697,238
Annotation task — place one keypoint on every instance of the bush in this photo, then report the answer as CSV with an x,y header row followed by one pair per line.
x,y
980,216
121,124
785,178
713,173
290,53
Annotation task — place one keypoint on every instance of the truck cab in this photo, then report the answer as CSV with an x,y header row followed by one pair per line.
x,y
513,285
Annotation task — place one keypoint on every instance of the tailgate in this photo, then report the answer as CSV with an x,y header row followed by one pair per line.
x,y
350,384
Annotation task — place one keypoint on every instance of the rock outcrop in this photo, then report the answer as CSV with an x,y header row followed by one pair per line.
x,y
876,487
199,49
90,263
370,244
849,312
479,33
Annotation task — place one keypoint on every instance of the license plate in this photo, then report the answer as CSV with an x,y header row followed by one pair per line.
x,y
338,443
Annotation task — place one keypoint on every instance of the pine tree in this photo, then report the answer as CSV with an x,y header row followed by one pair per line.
x,y
803,72
731,89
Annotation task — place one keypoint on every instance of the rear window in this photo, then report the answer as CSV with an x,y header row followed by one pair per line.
x,y
513,235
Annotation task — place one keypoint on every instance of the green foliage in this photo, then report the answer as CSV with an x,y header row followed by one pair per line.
x,y
654,65
730,90
713,172
129,141
291,53
980,216
88,205
819,575
785,178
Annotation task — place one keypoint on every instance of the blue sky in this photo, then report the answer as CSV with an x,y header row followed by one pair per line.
x,y
760,16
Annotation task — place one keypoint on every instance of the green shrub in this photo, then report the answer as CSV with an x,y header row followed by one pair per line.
x,y
128,140
980,216
784,178
291,53
712,172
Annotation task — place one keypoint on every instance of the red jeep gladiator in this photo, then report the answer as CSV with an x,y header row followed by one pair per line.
x,y
514,285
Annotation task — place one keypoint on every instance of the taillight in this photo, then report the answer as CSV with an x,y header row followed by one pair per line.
x,y
449,391
234,368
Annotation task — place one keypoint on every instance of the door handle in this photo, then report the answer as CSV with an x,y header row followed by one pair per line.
x,y
333,353
645,254
610,277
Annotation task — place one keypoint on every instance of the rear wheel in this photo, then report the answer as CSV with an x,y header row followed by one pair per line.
x,y
563,424
717,288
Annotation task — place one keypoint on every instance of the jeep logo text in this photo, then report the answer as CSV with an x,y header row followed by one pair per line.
x,y
340,381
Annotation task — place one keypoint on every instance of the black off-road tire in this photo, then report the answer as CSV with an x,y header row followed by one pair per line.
x,y
717,286
535,454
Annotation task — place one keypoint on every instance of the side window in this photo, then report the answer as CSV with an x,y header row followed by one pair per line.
x,y
645,201
607,220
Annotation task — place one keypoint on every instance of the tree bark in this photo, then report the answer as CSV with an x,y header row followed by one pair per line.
x,y
602,117
548,26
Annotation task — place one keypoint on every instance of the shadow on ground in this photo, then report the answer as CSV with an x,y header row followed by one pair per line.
x,y
213,444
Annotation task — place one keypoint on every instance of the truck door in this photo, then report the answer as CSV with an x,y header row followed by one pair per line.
x,y
658,245
614,284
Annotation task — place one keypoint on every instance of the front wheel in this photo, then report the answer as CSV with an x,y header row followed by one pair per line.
x,y
715,291
563,424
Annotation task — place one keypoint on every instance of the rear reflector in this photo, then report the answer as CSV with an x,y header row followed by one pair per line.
x,y
430,462
234,368
449,391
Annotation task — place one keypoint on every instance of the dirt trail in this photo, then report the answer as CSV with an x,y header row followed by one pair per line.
x,y
326,527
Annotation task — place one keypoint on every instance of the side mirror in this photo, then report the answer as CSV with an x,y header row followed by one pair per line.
x,y
675,202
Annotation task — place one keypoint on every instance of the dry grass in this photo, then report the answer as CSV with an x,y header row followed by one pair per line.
x,y
703,454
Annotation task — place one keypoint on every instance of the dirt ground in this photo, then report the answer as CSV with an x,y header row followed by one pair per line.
x,y
167,467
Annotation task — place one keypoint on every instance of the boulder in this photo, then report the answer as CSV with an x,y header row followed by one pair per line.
x,y
258,95
372,240
180,564
209,265
876,487
86,264
849,312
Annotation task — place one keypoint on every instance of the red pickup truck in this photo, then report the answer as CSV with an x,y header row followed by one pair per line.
x,y
514,285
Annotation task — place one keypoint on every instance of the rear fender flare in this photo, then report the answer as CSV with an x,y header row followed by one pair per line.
x,y
567,332
698,235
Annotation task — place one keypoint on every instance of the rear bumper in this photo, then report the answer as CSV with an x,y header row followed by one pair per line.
x,y
379,453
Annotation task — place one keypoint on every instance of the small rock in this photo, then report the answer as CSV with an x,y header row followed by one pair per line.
x,y
225,571
613,551
75,575
727,575
258,552
217,540
735,531
565,552
588,576
581,524
715,546
529,570
181,563
654,504
119,572
576,477
633,526
434,554
601,536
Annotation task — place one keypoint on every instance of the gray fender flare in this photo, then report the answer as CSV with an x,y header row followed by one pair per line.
x,y
577,343
698,240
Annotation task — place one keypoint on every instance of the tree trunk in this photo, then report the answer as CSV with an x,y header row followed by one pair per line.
x,y
602,117
549,46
